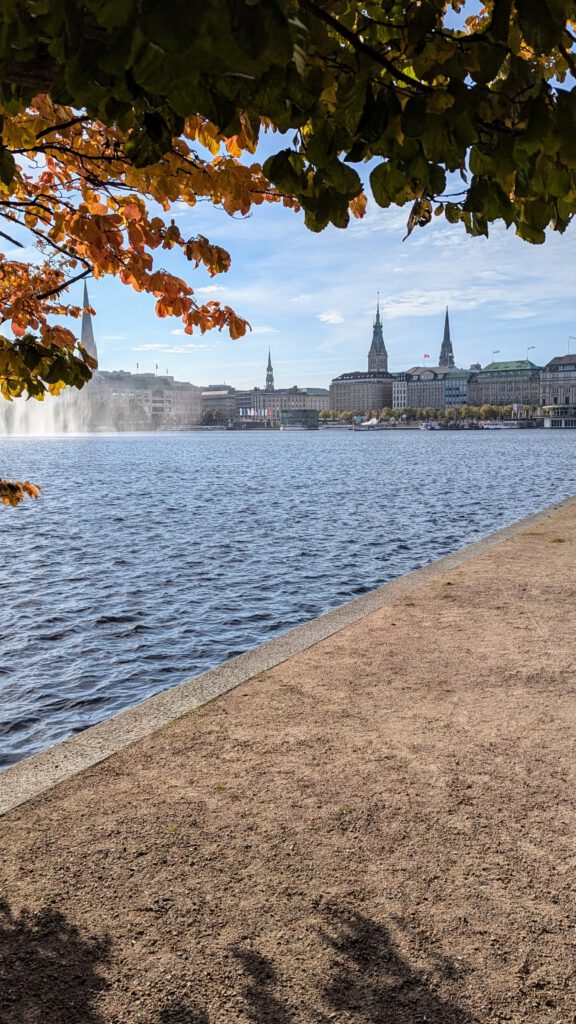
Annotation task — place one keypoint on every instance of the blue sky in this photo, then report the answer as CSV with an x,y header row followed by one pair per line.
x,y
312,299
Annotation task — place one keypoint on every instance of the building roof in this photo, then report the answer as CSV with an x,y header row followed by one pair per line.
x,y
507,367
415,371
377,347
360,376
457,374
562,362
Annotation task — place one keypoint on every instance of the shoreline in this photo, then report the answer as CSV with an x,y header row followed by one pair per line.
x,y
35,775
373,822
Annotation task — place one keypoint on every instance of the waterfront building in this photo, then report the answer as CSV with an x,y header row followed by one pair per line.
x,y
425,387
446,352
119,400
560,416
399,391
558,381
270,402
516,382
218,402
456,388
295,418
268,405
361,392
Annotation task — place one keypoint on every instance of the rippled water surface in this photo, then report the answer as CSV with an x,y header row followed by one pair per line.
x,y
153,557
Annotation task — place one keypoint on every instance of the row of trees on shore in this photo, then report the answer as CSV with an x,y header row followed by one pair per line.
x,y
460,413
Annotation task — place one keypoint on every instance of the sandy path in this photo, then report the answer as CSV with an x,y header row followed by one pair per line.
x,y
381,830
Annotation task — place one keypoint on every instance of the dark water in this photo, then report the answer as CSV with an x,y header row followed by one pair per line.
x,y
153,557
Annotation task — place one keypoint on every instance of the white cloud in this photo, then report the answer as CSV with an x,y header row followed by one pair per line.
x,y
210,289
264,330
331,316
112,337
147,348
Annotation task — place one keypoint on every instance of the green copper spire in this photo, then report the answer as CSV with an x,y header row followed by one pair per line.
x,y
377,356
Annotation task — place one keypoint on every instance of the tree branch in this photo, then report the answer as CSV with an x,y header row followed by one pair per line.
x,y
62,127
66,284
13,240
361,46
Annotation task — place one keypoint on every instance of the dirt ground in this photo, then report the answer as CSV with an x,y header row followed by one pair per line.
x,y
381,830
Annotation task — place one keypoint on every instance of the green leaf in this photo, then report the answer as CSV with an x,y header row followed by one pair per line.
x,y
7,166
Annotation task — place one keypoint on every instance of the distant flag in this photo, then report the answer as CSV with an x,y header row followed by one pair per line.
x,y
137,367
156,367
426,356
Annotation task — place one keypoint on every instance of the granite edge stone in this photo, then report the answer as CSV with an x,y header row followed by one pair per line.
x,y
38,774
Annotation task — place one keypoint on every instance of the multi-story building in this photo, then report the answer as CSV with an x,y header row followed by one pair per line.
x,y
120,400
363,392
425,387
558,382
269,402
218,402
456,388
261,403
186,404
506,383
400,391
432,387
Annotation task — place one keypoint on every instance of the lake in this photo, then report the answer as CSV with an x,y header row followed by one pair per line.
x,y
151,557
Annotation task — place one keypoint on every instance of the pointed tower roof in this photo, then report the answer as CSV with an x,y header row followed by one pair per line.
x,y
377,355
377,338
269,374
446,352
87,333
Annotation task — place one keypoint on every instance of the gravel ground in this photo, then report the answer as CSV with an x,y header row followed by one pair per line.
x,y
380,830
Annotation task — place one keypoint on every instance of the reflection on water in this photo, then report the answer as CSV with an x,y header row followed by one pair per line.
x,y
153,557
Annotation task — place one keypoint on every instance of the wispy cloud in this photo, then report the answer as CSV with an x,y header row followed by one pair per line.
x,y
265,330
166,348
518,314
331,316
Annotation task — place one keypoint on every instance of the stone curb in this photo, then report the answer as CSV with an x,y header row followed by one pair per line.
x,y
38,774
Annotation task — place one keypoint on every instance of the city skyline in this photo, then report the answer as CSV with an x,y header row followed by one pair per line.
x,y
311,299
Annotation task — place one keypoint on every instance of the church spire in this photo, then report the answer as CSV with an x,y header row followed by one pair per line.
x,y
87,334
377,356
269,374
446,352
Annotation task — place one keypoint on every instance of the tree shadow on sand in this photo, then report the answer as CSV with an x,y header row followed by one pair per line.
x,y
52,973
369,981
372,982
48,969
